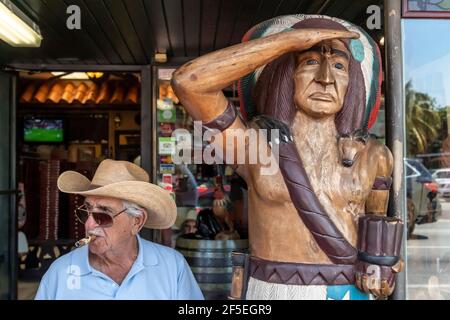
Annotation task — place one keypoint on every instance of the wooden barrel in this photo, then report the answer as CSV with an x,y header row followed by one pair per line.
x,y
210,262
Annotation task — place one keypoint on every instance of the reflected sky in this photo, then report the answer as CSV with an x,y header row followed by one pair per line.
x,y
426,46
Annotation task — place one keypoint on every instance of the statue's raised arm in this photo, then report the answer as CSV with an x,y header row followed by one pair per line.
x,y
199,83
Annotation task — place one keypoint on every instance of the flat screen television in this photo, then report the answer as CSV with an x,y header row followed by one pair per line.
x,y
43,130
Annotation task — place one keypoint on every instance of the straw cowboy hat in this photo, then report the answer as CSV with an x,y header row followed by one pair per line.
x,y
127,181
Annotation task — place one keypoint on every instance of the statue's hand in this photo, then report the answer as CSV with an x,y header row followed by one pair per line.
x,y
379,248
377,280
307,38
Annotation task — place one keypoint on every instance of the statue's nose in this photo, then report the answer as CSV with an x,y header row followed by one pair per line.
x,y
325,74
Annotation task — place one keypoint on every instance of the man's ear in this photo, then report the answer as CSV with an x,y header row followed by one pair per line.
x,y
139,221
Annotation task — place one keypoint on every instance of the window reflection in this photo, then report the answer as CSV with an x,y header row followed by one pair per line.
x,y
427,112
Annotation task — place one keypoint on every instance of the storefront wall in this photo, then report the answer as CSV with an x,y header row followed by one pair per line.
x,y
426,57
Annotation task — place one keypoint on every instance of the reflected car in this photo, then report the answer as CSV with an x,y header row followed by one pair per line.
x,y
442,178
422,195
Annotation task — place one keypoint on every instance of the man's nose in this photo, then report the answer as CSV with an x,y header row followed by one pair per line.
x,y
325,74
91,223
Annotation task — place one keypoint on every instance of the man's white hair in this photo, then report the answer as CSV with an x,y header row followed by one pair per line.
x,y
132,208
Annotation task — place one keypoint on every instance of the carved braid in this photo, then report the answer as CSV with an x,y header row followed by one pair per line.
x,y
310,210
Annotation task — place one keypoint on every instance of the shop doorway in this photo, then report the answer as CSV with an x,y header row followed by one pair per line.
x,y
66,121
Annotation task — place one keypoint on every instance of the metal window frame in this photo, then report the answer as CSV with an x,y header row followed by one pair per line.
x,y
407,13
10,194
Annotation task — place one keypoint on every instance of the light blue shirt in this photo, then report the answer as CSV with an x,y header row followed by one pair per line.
x,y
158,273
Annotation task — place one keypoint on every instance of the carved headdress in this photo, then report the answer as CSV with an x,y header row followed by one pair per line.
x,y
270,89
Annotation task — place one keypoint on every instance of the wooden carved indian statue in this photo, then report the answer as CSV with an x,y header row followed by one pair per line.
x,y
317,225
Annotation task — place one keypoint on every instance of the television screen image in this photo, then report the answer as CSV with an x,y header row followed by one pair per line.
x,y
43,130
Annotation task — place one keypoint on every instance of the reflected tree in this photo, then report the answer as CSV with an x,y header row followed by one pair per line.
x,y
423,121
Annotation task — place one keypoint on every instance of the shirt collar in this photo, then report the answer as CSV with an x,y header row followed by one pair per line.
x,y
149,256
80,266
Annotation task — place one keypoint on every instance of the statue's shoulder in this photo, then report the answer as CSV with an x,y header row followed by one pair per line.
x,y
382,154
379,146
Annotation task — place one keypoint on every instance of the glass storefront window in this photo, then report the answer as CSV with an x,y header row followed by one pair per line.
x,y
427,116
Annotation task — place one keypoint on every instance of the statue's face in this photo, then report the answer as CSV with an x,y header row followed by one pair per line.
x,y
321,79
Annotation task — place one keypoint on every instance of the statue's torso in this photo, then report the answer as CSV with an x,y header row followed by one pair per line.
x,y
276,230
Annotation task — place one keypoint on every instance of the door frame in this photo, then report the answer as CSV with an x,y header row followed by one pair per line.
x,y
11,190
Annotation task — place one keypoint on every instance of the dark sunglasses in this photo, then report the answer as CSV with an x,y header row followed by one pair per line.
x,y
103,219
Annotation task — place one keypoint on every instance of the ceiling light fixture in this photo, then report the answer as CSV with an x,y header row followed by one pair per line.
x,y
95,75
16,28
161,57
71,75
78,75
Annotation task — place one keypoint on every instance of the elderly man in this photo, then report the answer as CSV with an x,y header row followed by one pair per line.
x,y
117,263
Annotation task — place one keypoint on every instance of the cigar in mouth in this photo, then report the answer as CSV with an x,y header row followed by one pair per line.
x,y
84,241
